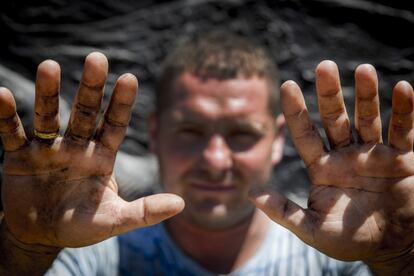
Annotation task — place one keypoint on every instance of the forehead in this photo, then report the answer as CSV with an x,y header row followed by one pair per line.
x,y
231,97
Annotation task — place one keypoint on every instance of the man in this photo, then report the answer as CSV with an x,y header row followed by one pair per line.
x,y
217,134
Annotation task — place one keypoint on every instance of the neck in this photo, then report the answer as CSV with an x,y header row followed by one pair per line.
x,y
222,250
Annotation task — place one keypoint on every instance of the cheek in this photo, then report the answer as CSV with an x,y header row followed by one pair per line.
x,y
179,155
256,164
174,162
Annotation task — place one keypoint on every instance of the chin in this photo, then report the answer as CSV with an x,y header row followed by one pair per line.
x,y
218,216
213,223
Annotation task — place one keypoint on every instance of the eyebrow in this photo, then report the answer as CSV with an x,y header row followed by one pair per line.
x,y
251,125
245,124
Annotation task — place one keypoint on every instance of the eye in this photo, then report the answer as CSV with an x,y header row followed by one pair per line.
x,y
243,138
189,133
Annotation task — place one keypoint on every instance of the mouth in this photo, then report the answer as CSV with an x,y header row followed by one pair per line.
x,y
213,187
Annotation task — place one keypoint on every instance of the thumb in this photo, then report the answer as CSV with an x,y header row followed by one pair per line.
x,y
286,213
147,211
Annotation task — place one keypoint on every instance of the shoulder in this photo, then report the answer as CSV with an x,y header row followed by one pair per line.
x,y
151,251
89,260
283,253
148,251
145,240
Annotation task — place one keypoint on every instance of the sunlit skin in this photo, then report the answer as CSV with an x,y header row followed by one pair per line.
x,y
361,201
216,140
61,192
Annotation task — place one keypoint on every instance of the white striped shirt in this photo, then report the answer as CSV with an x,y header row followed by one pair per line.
x,y
151,251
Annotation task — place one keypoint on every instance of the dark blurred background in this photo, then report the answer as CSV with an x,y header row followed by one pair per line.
x,y
137,35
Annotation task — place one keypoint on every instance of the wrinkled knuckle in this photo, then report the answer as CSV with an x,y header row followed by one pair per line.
x,y
402,121
367,121
86,111
399,130
115,123
144,211
317,174
335,114
305,131
340,143
9,125
93,84
297,114
330,93
340,123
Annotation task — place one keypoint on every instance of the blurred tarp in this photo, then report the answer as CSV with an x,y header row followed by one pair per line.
x,y
137,35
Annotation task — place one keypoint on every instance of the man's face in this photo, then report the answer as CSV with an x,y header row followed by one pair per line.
x,y
215,141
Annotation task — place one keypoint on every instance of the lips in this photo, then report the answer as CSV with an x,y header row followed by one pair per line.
x,y
213,187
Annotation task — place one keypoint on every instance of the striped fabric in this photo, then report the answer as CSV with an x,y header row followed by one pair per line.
x,y
150,251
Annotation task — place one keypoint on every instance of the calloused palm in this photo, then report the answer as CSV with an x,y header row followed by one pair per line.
x,y
61,191
361,205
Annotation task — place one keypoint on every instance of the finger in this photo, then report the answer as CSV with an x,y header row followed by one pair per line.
x,y
286,213
11,129
401,133
304,133
367,110
46,117
113,126
147,211
87,103
331,105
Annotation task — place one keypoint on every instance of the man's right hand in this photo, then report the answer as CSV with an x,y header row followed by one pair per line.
x,y
59,191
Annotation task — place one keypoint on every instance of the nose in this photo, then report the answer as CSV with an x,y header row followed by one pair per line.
x,y
217,155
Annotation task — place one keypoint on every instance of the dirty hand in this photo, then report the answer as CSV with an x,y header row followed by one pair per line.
x,y
361,204
59,191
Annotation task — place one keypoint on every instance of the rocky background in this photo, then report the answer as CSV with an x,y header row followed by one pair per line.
x,y
137,35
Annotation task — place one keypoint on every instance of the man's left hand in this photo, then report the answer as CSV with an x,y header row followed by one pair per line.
x,y
361,204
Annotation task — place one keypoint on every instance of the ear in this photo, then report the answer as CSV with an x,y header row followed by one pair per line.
x,y
153,131
279,141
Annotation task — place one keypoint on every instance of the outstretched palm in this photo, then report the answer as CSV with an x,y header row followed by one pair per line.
x,y
361,203
59,191
362,200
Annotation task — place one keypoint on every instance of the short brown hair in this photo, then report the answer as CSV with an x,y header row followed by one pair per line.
x,y
220,55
